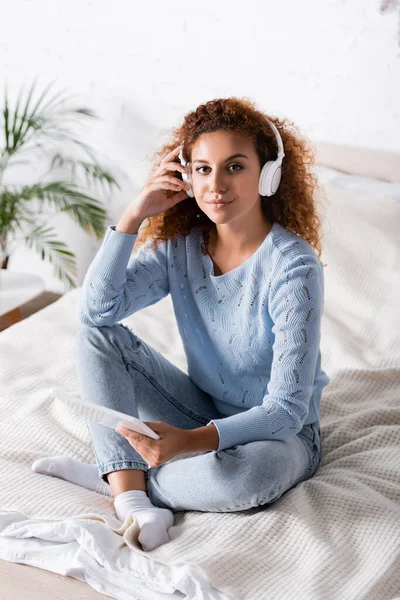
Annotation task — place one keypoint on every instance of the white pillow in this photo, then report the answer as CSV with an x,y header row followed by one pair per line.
x,y
357,183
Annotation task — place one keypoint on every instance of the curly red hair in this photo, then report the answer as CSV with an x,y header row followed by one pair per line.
x,y
294,205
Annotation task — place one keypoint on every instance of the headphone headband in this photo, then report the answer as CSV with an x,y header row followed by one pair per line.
x,y
281,152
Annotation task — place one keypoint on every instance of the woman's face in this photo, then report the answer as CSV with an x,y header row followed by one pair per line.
x,y
218,175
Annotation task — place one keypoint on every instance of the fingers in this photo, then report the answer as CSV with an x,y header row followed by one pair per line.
x,y
122,431
168,158
171,166
171,154
174,166
169,179
131,436
160,175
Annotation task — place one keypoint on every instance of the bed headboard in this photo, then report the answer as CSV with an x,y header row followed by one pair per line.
x,y
378,164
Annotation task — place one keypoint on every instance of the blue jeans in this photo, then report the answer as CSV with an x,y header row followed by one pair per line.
x,y
119,370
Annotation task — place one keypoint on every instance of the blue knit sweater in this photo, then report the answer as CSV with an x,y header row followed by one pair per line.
x,y
251,336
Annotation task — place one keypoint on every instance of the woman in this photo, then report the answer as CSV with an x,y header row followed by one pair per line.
x,y
238,249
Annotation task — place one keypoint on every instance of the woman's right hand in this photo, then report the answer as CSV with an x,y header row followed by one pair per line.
x,y
152,198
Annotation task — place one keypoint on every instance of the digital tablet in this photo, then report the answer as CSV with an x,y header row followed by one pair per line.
x,y
103,415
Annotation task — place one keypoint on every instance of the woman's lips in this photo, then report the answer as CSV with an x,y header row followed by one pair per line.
x,y
219,204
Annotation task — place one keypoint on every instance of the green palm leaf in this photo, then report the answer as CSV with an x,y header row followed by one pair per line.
x,y
42,119
34,125
93,172
55,251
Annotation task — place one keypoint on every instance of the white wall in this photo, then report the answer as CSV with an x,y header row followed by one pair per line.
x,y
331,66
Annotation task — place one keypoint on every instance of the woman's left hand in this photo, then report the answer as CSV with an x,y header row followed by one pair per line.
x,y
173,441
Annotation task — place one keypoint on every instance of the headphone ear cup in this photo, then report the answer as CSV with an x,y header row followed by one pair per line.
x,y
185,176
264,187
270,178
276,179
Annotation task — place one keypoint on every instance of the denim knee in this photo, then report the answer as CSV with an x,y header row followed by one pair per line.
x,y
88,338
89,332
233,476
109,340
110,333
246,474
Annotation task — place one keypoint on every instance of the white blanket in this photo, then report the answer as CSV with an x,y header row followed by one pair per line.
x,y
335,536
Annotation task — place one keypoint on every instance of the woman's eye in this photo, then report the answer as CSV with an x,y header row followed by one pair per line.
x,y
233,165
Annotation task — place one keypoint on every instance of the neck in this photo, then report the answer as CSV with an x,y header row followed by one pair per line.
x,y
232,239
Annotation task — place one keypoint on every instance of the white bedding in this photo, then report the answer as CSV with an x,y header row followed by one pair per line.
x,y
335,536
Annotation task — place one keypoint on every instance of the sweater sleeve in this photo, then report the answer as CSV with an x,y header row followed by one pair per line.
x,y
117,285
296,299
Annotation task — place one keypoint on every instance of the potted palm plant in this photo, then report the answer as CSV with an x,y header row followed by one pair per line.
x,y
40,133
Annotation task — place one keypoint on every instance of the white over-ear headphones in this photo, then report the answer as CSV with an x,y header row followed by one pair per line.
x,y
270,175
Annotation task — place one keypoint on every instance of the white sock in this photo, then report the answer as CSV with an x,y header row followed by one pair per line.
x,y
154,522
73,470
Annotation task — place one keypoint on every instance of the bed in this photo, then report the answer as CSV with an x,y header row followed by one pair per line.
x,y
335,536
